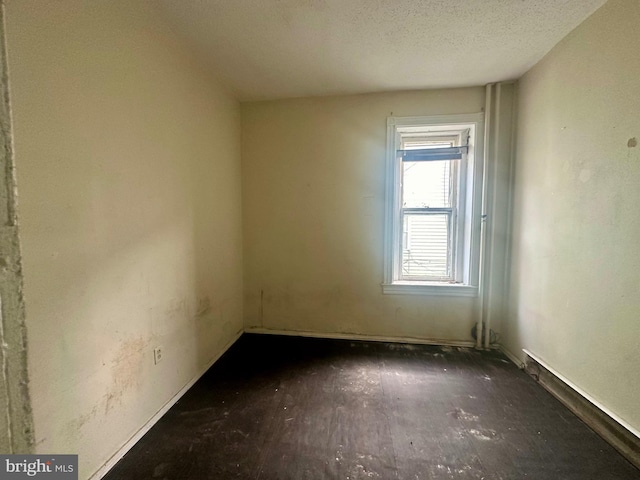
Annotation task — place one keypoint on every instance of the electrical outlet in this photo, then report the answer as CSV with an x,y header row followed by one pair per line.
x,y
157,355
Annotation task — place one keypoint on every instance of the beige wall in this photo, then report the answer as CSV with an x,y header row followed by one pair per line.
x,y
128,169
313,174
576,223
500,140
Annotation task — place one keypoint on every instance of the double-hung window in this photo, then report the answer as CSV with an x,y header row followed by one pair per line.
x,y
434,170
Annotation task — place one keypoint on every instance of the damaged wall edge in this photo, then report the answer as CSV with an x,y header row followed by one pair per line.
x,y
612,429
17,434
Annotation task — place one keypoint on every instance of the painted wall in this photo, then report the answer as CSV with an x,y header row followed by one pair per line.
x,y
128,169
500,141
575,276
313,173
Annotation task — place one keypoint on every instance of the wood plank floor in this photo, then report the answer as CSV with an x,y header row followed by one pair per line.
x,y
299,408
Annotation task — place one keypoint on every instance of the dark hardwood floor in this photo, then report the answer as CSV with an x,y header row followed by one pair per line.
x,y
299,408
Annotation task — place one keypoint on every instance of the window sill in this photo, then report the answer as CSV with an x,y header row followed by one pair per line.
x,y
429,288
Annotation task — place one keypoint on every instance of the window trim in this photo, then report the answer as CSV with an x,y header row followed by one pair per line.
x,y
392,284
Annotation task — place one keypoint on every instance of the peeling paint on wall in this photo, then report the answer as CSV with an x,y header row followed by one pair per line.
x,y
17,435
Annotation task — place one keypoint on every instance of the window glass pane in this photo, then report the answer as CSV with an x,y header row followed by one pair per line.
x,y
426,184
425,250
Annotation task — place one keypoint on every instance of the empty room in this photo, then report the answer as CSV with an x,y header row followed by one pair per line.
x,y
320,239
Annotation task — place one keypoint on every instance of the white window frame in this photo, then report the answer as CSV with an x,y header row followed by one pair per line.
x,y
456,137
466,252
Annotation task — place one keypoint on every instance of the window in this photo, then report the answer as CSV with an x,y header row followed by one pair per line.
x,y
434,192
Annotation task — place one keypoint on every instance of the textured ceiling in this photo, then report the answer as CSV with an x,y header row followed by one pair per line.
x,y
266,49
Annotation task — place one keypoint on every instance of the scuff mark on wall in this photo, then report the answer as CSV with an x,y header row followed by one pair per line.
x,y
204,306
178,309
632,143
74,427
109,402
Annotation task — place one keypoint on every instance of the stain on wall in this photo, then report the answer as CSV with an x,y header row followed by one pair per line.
x,y
128,160
127,369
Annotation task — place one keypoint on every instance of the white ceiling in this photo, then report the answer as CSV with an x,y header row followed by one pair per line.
x,y
266,49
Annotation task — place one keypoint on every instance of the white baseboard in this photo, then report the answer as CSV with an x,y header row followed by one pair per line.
x,y
583,394
357,336
122,451
519,363
613,429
